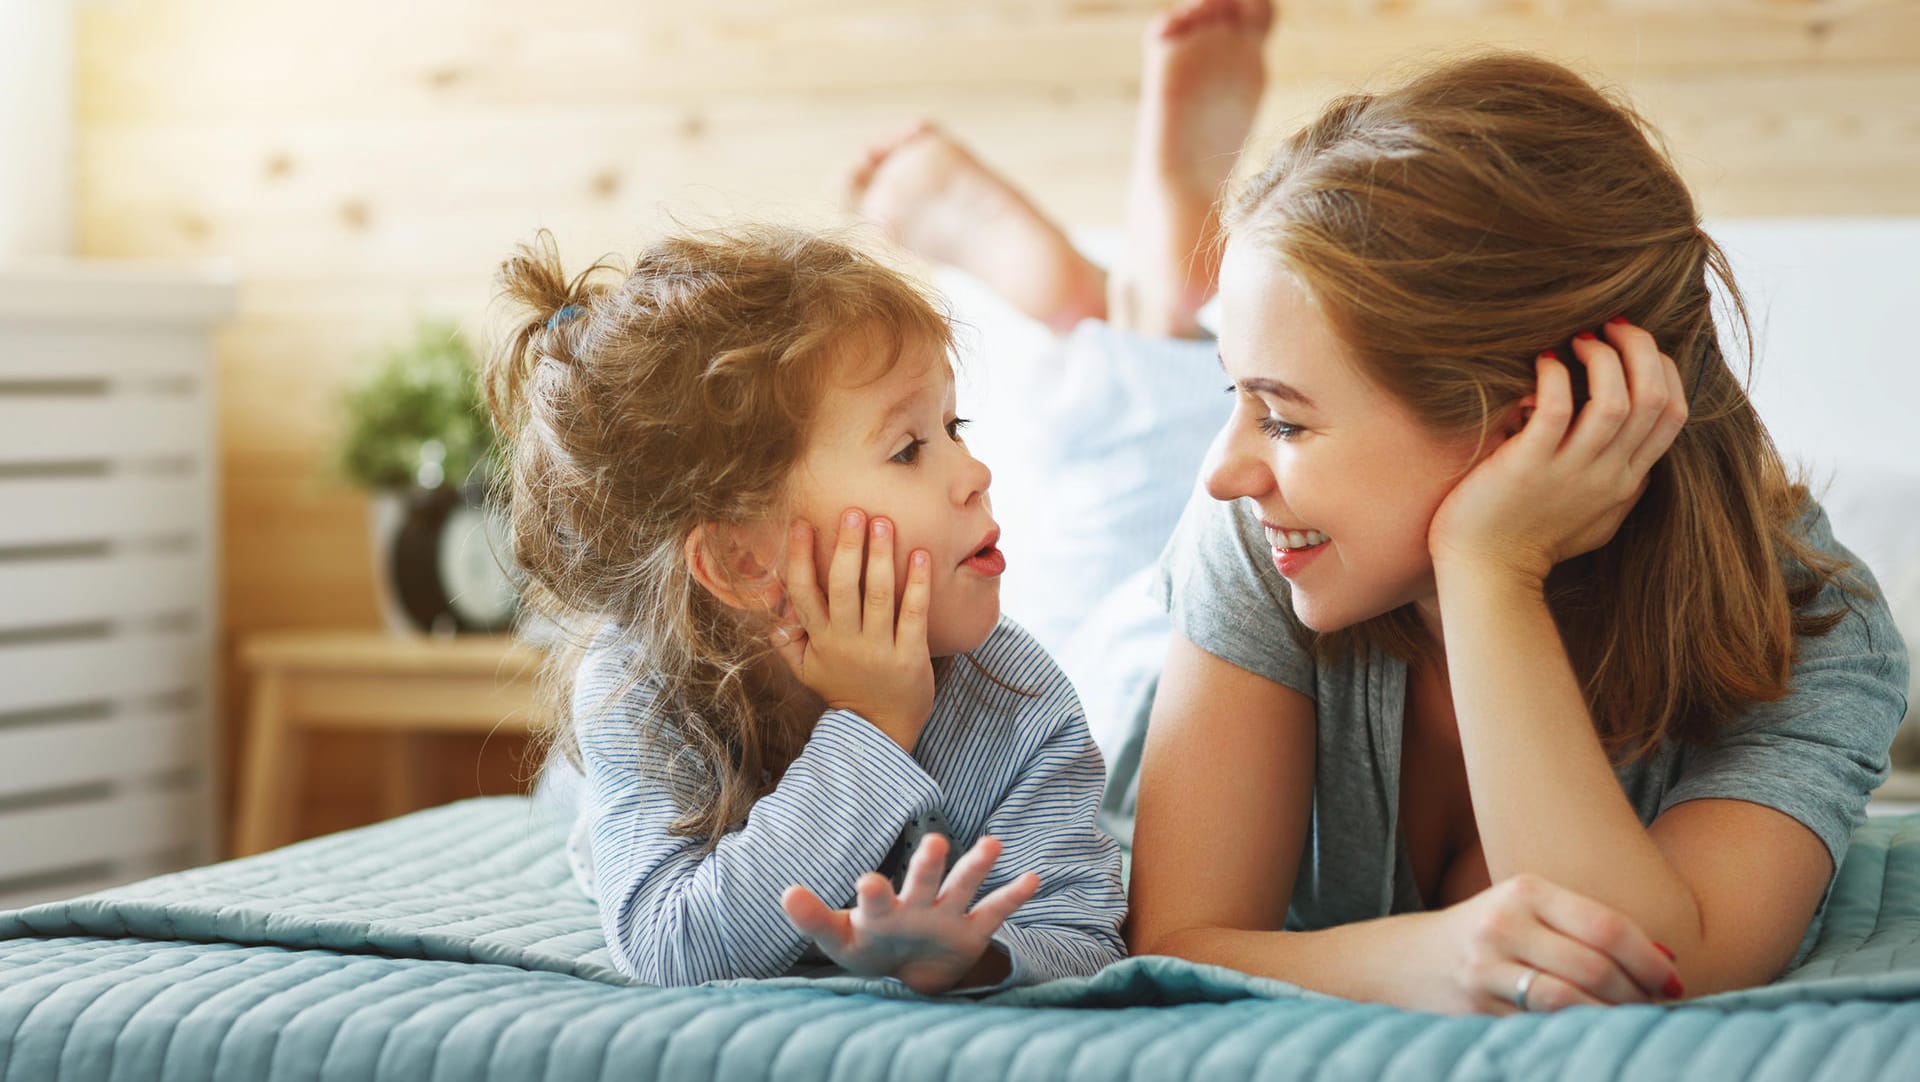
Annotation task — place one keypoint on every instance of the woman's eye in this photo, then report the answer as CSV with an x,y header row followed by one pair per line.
x,y
1277,429
954,426
909,454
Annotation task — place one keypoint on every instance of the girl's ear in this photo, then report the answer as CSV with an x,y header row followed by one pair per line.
x,y
725,565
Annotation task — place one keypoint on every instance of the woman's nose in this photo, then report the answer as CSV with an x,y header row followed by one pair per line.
x,y
1230,471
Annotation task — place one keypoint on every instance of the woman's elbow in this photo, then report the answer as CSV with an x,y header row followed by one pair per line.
x,y
1149,937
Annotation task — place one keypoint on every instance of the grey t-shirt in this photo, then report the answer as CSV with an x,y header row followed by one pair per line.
x,y
1814,755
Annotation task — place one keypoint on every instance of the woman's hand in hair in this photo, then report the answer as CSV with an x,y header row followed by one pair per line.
x,y
1560,484
931,936
848,646
1582,953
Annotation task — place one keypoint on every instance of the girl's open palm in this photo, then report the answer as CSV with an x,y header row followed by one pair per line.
x,y
926,936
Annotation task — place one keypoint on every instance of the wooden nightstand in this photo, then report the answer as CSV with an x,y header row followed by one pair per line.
x,y
376,681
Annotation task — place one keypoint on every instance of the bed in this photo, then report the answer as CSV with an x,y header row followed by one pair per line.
x,y
451,944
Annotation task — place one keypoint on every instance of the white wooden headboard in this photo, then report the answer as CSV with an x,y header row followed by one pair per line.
x,y
108,577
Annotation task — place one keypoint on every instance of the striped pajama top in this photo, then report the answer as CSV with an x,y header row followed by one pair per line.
x,y
991,761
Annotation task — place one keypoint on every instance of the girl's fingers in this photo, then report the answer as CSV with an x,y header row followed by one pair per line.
x,y
995,908
1609,407
803,592
911,631
843,574
878,618
969,872
1612,934
873,896
815,920
922,885
791,644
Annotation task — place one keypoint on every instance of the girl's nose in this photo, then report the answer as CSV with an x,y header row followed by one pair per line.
x,y
973,480
1230,471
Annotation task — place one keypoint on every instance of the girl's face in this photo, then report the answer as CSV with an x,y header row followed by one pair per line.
x,y
1315,446
892,448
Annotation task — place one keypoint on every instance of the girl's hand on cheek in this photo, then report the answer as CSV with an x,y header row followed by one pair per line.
x,y
848,647
927,937
1562,485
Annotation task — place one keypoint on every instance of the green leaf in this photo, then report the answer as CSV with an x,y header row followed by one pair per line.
x,y
420,390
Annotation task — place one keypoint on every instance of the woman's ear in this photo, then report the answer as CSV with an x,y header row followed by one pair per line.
x,y
1517,416
727,565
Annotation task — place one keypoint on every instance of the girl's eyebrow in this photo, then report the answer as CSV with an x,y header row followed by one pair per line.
x,y
1286,392
901,407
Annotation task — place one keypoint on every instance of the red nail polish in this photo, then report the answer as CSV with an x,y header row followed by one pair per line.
x,y
1673,989
1551,354
1586,336
1618,319
1662,948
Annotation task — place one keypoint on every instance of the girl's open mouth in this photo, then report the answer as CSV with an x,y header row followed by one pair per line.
x,y
987,560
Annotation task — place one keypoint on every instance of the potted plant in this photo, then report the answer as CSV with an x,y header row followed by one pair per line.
x,y
417,438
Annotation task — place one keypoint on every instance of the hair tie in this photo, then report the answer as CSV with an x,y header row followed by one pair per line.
x,y
565,313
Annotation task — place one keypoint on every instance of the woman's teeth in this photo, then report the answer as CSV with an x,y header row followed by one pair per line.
x,y
1287,540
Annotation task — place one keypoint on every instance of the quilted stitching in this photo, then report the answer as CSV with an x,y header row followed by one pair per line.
x,y
452,944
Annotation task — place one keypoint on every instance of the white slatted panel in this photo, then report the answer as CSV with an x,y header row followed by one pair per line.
x,y
89,750
39,676
116,828
107,587
95,586
62,510
45,428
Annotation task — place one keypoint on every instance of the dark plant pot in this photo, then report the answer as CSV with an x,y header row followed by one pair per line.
x,y
442,557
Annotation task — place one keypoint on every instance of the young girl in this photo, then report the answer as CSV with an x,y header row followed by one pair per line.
x,y
741,464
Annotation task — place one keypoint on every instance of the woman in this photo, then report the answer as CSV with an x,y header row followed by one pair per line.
x,y
1562,623
1509,670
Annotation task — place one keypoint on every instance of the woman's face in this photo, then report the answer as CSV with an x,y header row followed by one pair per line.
x,y
1314,446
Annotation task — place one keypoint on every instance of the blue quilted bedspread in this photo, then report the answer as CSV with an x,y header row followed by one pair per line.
x,y
452,945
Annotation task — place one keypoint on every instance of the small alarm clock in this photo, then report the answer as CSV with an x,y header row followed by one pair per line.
x,y
450,561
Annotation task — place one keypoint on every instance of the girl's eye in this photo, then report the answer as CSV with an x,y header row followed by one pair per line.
x,y
954,426
909,454
1277,429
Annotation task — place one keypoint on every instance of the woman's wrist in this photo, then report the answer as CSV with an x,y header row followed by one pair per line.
x,y
1487,578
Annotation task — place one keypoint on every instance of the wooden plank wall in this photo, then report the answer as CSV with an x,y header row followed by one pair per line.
x,y
364,163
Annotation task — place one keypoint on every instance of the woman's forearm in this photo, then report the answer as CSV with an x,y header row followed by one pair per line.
x,y
1545,797
1366,960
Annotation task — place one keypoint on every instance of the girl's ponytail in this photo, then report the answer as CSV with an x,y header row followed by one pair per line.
x,y
532,281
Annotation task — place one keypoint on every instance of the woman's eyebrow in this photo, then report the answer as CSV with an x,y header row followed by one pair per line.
x,y
1286,392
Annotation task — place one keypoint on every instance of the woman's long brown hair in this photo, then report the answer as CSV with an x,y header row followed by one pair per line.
x,y
1454,227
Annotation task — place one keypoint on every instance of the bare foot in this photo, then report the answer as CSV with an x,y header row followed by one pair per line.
x,y
1199,90
937,200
